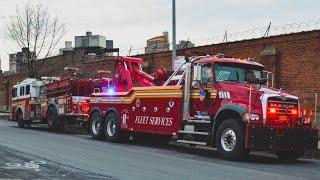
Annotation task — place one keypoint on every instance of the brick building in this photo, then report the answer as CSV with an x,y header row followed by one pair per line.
x,y
294,58
158,44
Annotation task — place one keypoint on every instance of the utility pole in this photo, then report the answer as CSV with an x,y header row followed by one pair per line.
x,y
174,44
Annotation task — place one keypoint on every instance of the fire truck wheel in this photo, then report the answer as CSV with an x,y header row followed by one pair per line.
x,y
52,118
20,119
112,129
289,155
96,126
230,140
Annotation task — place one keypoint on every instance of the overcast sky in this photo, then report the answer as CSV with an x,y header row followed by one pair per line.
x,y
132,22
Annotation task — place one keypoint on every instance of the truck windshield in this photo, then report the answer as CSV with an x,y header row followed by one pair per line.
x,y
236,73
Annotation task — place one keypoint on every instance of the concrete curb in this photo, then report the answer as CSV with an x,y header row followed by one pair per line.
x,y
5,116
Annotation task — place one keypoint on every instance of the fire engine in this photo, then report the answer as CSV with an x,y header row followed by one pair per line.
x,y
51,101
208,101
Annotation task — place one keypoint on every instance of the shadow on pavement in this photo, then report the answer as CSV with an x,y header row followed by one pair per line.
x,y
67,130
205,152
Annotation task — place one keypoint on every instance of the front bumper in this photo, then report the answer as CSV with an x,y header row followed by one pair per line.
x,y
281,138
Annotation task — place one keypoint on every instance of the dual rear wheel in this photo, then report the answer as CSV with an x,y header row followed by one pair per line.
x,y
108,129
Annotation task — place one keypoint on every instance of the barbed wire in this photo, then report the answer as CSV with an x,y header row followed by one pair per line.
x,y
254,33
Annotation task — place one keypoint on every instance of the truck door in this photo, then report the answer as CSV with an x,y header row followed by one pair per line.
x,y
202,96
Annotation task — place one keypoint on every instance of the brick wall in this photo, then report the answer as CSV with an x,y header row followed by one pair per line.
x,y
6,82
294,58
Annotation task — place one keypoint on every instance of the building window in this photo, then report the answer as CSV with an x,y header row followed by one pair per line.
x,y
14,92
27,89
21,91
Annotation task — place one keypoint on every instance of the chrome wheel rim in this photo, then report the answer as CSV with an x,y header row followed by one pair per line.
x,y
111,127
228,139
95,125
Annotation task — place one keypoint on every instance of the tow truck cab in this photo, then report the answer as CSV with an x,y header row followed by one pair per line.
x,y
270,118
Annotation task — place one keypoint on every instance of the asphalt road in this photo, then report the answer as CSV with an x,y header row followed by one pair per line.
x,y
38,153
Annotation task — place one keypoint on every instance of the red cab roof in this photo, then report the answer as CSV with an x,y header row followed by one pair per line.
x,y
224,60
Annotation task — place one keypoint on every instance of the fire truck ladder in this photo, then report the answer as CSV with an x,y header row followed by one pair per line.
x,y
194,130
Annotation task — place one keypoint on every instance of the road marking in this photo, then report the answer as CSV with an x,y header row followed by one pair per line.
x,y
34,165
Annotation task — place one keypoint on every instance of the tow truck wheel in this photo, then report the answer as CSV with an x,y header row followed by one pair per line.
x,y
52,118
289,155
112,129
96,126
230,140
20,119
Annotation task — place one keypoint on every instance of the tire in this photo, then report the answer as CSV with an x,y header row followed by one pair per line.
x,y
96,126
112,129
19,118
52,119
230,140
289,155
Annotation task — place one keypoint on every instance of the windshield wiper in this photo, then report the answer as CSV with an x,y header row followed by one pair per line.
x,y
232,80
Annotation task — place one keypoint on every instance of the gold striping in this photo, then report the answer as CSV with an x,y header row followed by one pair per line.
x,y
163,93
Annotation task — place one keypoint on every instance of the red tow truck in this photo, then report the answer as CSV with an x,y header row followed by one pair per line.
x,y
209,101
52,101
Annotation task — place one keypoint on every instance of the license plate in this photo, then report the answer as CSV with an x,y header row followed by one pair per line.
x,y
283,118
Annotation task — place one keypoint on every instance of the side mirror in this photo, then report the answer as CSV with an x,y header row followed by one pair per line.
x,y
261,81
197,73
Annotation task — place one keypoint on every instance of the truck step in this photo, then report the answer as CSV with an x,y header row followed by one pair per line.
x,y
194,132
205,117
192,142
198,121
